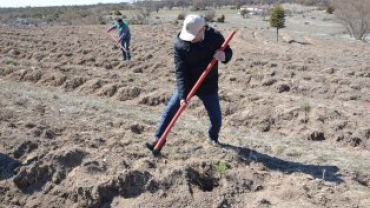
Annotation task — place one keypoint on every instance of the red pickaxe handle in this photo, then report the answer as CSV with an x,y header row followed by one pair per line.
x,y
191,94
119,44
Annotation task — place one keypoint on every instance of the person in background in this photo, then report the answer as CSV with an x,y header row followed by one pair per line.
x,y
195,47
124,37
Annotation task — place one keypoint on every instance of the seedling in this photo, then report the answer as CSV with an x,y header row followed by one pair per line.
x,y
220,168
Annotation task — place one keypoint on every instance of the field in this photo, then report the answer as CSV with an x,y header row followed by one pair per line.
x,y
74,119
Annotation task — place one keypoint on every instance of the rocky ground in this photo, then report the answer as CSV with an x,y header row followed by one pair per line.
x,y
74,119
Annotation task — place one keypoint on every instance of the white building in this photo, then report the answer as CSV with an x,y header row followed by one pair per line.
x,y
252,10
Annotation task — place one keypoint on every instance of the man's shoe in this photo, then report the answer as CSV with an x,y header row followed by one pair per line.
x,y
151,145
213,142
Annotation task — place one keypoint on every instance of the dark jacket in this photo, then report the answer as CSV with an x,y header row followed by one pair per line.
x,y
191,59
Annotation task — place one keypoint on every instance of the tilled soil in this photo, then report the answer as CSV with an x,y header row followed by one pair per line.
x,y
74,119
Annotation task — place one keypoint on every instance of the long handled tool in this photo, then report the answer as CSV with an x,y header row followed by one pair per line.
x,y
161,140
119,44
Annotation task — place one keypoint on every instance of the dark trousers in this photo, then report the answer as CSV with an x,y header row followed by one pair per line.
x,y
211,103
126,44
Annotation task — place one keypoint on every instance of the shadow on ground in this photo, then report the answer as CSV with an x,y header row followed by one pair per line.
x,y
324,172
7,166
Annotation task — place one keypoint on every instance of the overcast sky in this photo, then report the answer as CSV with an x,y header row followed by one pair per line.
x,y
35,3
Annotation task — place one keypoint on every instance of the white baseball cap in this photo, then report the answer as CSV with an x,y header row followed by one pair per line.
x,y
192,25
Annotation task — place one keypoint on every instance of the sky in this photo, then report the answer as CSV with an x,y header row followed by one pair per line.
x,y
36,3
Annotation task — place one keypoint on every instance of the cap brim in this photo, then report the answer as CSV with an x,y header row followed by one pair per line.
x,y
184,35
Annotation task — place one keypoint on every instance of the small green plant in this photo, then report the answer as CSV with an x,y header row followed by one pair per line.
x,y
240,139
294,153
128,77
280,150
305,106
360,177
357,173
220,168
150,122
8,61
323,159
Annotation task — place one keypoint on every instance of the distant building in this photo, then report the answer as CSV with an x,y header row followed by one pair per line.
x,y
253,10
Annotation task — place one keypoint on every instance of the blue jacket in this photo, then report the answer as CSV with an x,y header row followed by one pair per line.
x,y
123,30
191,59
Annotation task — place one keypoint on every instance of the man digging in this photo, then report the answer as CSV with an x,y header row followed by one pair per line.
x,y
195,47
124,38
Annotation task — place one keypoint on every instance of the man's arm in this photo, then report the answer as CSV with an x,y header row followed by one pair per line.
x,y
225,56
228,54
112,28
181,74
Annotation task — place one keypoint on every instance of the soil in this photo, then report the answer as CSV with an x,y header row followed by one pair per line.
x,y
74,119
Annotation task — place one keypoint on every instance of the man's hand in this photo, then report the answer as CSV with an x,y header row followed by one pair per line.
x,y
183,102
219,56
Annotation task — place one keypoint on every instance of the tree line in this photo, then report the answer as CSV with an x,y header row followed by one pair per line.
x,y
354,15
203,4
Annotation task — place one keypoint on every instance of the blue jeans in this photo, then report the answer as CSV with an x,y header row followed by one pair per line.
x,y
126,54
211,103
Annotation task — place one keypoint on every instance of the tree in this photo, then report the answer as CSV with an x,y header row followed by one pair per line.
x,y
144,9
209,15
244,13
217,3
221,18
157,6
277,19
182,3
355,16
170,4
199,5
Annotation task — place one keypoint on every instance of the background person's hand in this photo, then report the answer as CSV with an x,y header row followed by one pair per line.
x,y
219,55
